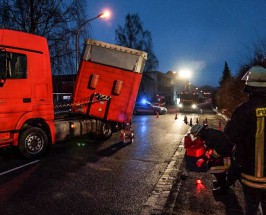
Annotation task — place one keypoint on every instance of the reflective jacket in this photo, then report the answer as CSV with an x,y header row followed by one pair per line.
x,y
246,130
216,141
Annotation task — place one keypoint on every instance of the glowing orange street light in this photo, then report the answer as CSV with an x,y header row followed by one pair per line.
x,y
105,14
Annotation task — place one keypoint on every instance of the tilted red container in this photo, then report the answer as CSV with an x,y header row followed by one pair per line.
x,y
108,81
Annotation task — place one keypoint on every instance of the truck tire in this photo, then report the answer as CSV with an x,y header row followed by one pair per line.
x,y
33,143
103,131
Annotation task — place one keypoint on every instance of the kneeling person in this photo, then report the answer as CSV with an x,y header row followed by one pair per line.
x,y
217,156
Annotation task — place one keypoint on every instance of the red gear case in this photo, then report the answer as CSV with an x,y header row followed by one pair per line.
x,y
194,148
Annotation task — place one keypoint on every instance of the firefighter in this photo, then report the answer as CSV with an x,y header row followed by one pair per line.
x,y
217,155
246,130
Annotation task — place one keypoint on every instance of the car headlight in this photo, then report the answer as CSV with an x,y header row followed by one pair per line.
x,y
194,106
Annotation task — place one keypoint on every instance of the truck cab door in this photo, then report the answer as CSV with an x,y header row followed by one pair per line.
x,y
15,93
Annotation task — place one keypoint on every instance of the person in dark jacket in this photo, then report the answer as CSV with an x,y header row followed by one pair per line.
x,y
246,130
217,156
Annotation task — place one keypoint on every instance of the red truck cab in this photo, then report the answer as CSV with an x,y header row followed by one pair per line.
x,y
26,92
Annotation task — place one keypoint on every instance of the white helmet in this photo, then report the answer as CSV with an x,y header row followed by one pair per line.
x,y
196,129
255,77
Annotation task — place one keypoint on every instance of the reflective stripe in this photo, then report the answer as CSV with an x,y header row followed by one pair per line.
x,y
253,178
221,169
259,142
261,112
253,185
215,154
218,169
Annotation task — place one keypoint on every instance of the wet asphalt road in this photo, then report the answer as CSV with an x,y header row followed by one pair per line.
x,y
86,177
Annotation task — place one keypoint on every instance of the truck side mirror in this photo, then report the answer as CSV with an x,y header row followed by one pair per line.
x,y
2,82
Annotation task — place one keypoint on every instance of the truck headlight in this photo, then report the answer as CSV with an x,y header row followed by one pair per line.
x,y
180,105
194,106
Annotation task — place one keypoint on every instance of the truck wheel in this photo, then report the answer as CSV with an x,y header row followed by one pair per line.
x,y
103,131
33,142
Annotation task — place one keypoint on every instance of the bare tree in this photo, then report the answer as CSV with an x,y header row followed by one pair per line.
x,y
132,35
230,95
57,20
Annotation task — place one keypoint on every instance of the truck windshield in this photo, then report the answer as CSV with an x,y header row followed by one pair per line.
x,y
187,96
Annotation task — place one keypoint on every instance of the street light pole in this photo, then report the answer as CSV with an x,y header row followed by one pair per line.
x,y
77,37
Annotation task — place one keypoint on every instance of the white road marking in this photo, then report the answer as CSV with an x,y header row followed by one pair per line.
x,y
19,167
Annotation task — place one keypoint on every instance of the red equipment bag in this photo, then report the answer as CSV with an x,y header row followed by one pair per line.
x,y
194,148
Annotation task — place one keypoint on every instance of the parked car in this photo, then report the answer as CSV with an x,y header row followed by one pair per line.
x,y
148,108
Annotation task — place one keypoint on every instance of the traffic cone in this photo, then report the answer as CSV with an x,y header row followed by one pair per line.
x,y
157,114
176,116
220,126
185,119
190,122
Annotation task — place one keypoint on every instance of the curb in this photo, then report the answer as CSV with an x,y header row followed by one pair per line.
x,y
157,200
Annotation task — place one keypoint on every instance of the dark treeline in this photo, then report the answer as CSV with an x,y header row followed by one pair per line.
x,y
230,91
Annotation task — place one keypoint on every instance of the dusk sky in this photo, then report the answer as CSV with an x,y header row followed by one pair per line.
x,y
199,35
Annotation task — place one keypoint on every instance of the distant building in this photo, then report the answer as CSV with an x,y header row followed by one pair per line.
x,y
156,84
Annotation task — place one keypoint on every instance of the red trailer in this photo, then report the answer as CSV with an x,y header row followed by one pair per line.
x,y
108,81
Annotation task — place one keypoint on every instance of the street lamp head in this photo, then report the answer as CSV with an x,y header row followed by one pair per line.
x,y
185,73
105,14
